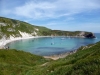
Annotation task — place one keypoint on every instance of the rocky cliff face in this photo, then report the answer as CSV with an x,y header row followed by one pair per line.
x,y
90,35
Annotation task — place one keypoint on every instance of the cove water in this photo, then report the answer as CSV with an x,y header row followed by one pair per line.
x,y
45,46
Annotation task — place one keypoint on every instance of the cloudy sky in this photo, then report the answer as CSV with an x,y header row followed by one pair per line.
x,y
70,15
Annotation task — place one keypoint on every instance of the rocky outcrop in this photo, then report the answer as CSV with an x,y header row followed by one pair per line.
x,y
90,35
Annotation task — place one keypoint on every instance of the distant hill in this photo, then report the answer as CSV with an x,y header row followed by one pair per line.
x,y
14,28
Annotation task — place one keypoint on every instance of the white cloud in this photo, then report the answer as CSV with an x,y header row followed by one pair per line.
x,y
54,9
35,10
54,13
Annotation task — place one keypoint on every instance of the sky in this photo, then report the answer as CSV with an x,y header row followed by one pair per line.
x,y
67,15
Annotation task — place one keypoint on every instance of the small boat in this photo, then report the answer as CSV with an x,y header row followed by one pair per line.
x,y
62,38
52,43
51,37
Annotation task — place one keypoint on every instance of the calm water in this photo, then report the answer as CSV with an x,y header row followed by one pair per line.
x,y
51,46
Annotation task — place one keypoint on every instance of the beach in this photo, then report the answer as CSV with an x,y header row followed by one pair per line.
x,y
63,55
3,42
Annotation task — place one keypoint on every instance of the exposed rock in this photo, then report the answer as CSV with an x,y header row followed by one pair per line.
x,y
90,35
11,30
81,33
3,24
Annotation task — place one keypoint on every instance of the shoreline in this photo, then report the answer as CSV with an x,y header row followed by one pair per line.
x,y
3,43
62,55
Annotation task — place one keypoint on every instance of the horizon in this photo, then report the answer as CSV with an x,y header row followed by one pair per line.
x,y
70,15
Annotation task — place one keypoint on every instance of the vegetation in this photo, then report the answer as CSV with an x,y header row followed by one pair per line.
x,y
13,62
67,33
12,27
86,61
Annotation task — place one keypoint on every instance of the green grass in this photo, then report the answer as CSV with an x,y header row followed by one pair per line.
x,y
17,26
83,62
13,62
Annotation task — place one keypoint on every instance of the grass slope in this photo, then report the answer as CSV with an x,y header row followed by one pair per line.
x,y
13,62
84,62
12,27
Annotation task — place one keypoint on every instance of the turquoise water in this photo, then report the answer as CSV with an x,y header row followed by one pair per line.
x,y
51,46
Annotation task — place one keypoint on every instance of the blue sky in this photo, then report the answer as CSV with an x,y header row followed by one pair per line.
x,y
69,15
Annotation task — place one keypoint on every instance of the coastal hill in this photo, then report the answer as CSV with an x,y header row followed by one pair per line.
x,y
86,61
10,28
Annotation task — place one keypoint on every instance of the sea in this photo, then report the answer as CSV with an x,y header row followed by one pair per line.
x,y
46,46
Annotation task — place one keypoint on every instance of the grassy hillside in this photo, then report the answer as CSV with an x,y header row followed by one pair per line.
x,y
13,62
11,27
67,33
86,61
